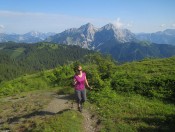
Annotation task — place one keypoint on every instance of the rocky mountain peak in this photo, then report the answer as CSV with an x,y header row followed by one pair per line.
x,y
109,27
88,31
88,36
88,28
169,31
124,35
121,35
33,33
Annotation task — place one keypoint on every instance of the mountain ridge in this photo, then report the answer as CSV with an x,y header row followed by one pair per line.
x,y
30,37
120,43
88,36
161,37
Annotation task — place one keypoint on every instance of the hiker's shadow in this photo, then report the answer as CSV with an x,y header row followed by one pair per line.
x,y
42,113
68,97
33,114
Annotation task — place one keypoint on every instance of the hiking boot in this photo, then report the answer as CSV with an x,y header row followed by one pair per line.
x,y
80,108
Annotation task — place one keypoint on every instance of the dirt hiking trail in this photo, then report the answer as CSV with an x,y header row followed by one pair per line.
x,y
61,103
15,114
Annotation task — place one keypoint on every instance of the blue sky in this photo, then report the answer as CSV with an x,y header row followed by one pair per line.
x,y
21,16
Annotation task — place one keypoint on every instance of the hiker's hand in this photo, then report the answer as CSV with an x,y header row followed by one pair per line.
x,y
90,88
74,82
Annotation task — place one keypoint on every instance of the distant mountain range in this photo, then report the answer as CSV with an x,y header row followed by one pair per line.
x,y
30,37
121,43
161,37
87,33
88,36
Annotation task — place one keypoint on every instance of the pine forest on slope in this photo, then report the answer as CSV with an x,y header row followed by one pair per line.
x,y
17,59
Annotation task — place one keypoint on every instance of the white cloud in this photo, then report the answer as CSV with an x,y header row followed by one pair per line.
x,y
173,25
2,27
118,23
129,25
162,25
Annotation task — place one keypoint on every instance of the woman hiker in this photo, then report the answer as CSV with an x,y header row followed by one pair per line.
x,y
79,82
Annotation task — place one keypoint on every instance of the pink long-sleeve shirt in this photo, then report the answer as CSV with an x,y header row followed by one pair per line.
x,y
80,81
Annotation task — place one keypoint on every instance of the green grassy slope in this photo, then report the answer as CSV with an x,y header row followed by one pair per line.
x,y
153,78
137,96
